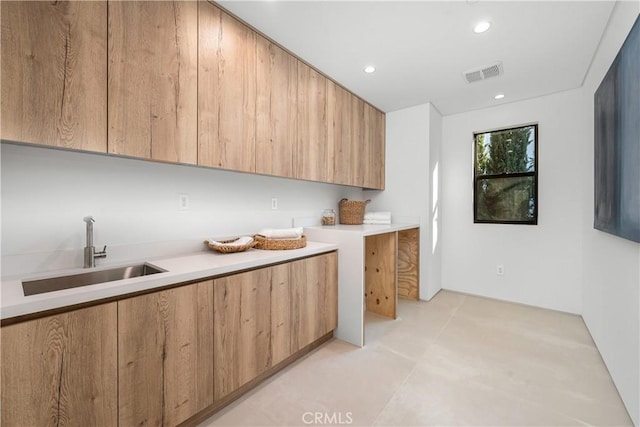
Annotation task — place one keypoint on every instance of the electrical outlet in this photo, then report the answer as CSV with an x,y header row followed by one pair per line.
x,y
183,202
500,270
274,203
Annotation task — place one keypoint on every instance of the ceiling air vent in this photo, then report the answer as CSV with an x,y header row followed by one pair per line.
x,y
488,71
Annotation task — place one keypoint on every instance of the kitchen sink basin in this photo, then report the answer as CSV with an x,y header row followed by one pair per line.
x,y
40,286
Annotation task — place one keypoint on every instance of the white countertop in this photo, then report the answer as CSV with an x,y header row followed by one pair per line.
x,y
366,229
180,269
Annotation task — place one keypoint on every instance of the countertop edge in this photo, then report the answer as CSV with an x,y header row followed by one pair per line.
x,y
362,229
182,269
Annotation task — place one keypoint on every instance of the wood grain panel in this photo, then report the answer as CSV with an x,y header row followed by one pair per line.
x,y
242,320
312,147
153,100
330,297
165,351
280,313
54,73
339,111
275,109
314,298
408,263
358,150
61,370
373,148
380,274
204,346
226,91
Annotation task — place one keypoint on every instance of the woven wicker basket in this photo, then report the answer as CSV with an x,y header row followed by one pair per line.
x,y
279,244
352,211
227,249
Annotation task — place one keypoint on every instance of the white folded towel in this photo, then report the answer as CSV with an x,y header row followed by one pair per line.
x,y
282,233
380,216
238,242
377,221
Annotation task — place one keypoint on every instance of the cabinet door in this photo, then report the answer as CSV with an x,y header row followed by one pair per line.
x,y
281,326
61,370
346,136
242,329
314,298
153,99
226,91
374,148
54,76
359,153
313,151
165,355
275,109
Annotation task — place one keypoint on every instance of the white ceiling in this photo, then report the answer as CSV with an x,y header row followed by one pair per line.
x,y
421,48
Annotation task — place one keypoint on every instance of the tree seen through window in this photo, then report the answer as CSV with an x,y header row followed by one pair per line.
x,y
505,179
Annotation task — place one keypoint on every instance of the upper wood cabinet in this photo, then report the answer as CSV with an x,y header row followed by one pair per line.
x,y
359,153
339,115
226,91
61,369
54,74
165,355
313,156
153,99
183,82
340,137
373,155
277,73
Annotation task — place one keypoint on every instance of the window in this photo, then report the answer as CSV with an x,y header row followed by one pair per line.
x,y
506,176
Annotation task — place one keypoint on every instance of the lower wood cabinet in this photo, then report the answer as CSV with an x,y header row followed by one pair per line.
x,y
242,327
314,299
165,352
264,316
61,370
166,357
281,318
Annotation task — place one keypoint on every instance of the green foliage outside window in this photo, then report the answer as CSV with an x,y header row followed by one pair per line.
x,y
505,178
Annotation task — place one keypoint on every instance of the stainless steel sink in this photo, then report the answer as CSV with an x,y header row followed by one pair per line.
x,y
40,286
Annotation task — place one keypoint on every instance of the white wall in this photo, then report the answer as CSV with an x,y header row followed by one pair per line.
x,y
46,193
611,265
412,153
563,263
542,263
434,250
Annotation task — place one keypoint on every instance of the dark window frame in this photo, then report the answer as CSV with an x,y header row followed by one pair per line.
x,y
534,174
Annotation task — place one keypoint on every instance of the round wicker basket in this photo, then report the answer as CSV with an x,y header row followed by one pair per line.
x,y
225,248
352,211
265,243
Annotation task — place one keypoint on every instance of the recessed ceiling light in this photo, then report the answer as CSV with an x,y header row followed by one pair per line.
x,y
499,96
370,69
481,27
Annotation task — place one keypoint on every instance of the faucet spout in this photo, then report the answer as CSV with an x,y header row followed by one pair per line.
x,y
90,253
89,220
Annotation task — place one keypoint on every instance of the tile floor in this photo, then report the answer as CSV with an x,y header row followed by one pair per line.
x,y
456,360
